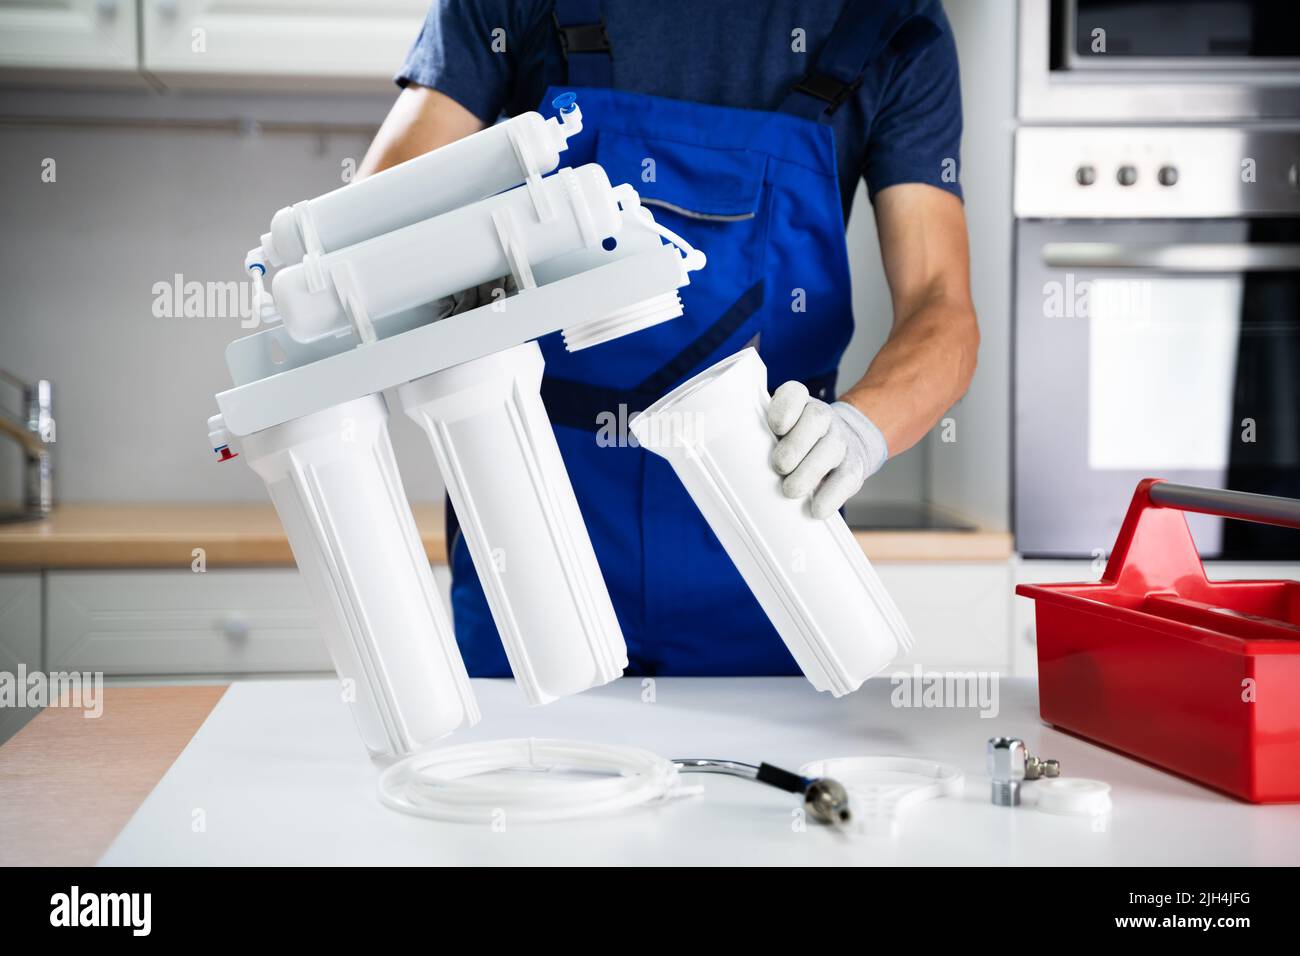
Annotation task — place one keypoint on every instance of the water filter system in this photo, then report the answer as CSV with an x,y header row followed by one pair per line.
x,y
350,313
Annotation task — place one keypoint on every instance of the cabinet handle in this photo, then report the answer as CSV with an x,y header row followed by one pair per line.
x,y
235,628
106,8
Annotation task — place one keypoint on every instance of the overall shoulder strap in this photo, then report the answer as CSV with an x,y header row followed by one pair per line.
x,y
584,43
862,33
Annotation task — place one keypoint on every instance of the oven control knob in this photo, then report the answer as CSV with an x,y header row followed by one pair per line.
x,y
1126,175
1168,175
1085,175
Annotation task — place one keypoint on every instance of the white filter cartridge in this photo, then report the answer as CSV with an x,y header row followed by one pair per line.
x,y
445,254
810,577
517,511
465,171
334,482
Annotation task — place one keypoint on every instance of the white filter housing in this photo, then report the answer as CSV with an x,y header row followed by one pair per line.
x,y
448,253
810,577
520,519
334,482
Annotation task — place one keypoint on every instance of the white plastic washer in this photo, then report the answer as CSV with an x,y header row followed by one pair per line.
x,y
1073,796
881,788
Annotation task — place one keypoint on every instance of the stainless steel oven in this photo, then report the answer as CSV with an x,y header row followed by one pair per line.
x,y
1157,328
1159,60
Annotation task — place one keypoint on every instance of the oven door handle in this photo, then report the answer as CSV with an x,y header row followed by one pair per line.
x,y
1174,256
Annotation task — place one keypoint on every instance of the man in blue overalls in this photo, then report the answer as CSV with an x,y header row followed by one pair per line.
x,y
744,126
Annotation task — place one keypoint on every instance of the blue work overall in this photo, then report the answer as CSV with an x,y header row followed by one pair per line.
x,y
758,192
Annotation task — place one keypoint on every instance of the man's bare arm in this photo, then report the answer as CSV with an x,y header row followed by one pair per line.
x,y
421,120
929,358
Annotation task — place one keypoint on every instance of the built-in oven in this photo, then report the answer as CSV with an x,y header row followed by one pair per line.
x,y
1157,328
1159,60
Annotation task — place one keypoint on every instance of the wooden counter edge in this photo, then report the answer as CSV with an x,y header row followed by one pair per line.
x,y
105,537
69,784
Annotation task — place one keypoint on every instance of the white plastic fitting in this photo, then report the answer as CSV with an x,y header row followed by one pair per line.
x,y
498,456
448,253
334,482
447,178
810,577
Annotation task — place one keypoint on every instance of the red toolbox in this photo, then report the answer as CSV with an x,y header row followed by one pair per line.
x,y
1155,661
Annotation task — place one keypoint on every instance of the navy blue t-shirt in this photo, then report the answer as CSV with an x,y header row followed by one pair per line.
x,y
738,54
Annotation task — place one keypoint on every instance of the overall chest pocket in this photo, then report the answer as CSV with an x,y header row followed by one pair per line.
x,y
717,199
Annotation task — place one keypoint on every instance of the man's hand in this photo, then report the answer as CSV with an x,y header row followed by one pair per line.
x,y
826,451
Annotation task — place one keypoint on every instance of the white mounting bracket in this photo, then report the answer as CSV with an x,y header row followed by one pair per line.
x,y
512,247
311,243
328,372
352,301
532,175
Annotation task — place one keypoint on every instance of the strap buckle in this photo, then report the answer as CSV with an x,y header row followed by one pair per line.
x,y
828,89
582,37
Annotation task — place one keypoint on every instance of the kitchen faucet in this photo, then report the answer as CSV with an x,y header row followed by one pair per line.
x,y
33,430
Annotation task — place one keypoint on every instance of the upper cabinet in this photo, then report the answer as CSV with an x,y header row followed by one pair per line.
x,y
326,45
83,36
320,44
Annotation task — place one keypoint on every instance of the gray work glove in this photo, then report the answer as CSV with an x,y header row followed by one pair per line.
x,y
826,451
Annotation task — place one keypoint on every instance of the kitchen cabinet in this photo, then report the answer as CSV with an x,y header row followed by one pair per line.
x,y
959,613
1024,635
70,35
177,622
135,623
20,639
321,44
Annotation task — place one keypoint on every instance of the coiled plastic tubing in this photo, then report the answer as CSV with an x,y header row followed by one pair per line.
x,y
451,783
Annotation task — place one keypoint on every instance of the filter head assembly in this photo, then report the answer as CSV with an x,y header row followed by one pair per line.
x,y
359,271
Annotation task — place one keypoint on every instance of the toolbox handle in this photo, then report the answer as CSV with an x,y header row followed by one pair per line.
x,y
1155,549
1266,509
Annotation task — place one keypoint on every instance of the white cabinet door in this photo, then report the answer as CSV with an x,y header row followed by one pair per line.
x,y
1024,638
20,641
82,35
1252,571
332,44
180,622
959,613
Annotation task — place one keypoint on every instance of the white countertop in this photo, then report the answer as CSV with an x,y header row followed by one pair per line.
x,y
277,775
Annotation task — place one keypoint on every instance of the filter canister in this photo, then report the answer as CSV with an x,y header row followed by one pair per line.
x,y
334,482
810,576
